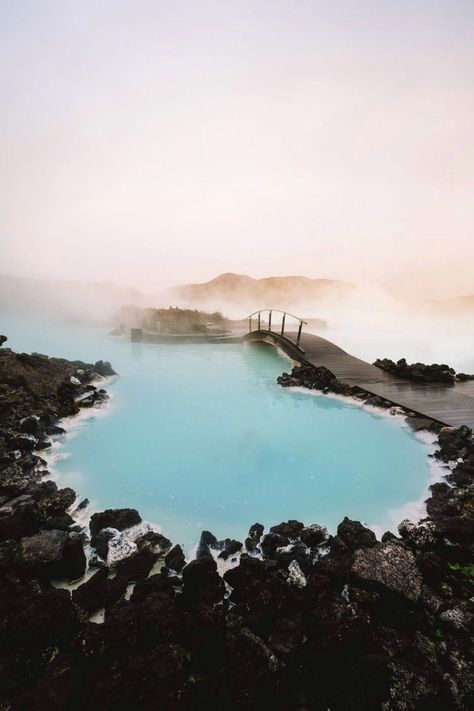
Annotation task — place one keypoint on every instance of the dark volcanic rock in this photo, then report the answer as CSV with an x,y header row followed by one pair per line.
x,y
271,542
313,622
155,542
389,567
102,541
290,529
32,425
230,548
52,554
256,531
417,424
355,535
419,372
314,535
137,565
23,442
454,443
255,671
104,368
19,517
253,538
99,591
208,539
201,579
113,518
61,523
175,559
244,575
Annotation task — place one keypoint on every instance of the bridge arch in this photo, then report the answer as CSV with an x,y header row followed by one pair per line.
x,y
271,326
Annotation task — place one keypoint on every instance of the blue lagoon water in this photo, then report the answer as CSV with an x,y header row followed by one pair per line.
x,y
201,436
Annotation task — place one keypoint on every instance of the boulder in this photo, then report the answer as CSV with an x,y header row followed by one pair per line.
x,y
104,368
60,523
244,575
31,425
19,517
420,536
137,565
113,518
376,401
298,552
61,500
200,573
82,505
203,551
389,567
271,542
155,542
290,529
23,442
355,535
175,559
254,536
230,548
256,532
314,535
99,591
255,672
119,548
52,554
53,430
102,541
454,442
206,541
296,575
417,424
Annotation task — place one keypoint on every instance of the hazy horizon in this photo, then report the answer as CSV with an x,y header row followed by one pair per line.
x,y
150,145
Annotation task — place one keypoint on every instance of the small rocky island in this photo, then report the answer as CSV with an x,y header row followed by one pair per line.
x,y
301,620
421,373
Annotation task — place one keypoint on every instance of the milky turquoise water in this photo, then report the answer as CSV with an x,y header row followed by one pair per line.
x,y
201,436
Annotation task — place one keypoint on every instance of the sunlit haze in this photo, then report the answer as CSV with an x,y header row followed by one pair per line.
x,y
153,143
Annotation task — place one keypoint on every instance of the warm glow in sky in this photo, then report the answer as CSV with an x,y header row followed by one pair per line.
x,y
150,143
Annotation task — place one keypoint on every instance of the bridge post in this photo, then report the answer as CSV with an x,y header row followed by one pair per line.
x,y
283,323
258,320
250,324
270,320
299,333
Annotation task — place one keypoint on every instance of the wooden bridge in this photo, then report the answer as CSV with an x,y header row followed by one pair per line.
x,y
451,405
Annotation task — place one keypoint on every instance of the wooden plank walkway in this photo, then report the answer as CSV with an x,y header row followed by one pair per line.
x,y
449,404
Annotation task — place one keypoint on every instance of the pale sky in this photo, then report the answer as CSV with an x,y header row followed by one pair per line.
x,y
152,143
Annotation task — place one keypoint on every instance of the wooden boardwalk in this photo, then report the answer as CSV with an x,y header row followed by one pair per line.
x,y
449,404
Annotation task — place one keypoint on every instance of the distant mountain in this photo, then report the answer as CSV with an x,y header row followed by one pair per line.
x,y
240,290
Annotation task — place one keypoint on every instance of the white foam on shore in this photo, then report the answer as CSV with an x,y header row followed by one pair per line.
x,y
56,453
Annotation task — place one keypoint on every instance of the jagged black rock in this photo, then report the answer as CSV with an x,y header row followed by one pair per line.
x,y
304,620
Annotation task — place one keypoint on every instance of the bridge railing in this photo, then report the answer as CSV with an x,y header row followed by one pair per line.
x,y
275,323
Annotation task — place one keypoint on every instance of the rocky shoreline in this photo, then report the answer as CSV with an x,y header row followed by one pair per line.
x,y
300,620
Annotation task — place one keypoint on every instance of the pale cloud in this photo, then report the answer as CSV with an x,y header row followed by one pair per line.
x,y
153,143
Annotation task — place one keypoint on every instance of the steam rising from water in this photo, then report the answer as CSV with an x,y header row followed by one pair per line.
x,y
368,323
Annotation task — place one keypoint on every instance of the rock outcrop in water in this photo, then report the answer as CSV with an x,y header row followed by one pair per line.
x,y
301,620
421,373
